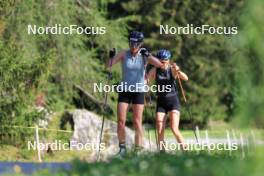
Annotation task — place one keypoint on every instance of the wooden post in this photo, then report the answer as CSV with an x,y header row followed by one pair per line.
x,y
149,140
234,135
198,133
247,144
207,140
198,136
242,146
229,142
37,141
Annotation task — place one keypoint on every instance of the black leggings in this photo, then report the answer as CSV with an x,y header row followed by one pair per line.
x,y
134,97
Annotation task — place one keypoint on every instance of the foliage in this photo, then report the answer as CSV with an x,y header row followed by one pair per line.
x,y
166,164
50,64
249,62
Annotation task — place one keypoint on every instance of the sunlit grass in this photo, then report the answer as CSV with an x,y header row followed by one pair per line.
x,y
257,133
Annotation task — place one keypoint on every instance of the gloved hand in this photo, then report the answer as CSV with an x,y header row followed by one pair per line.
x,y
144,52
112,53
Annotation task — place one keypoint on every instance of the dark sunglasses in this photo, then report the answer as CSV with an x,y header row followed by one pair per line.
x,y
134,44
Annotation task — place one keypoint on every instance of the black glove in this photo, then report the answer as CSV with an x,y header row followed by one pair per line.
x,y
144,52
112,53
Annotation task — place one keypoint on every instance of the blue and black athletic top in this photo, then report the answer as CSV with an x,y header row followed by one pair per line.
x,y
163,79
133,72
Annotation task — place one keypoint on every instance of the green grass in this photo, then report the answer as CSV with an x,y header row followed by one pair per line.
x,y
21,153
259,133
152,164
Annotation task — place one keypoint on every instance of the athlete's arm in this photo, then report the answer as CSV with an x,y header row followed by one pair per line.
x,y
176,72
115,60
155,61
151,74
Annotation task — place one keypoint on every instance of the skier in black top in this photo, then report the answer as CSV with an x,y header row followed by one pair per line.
x,y
167,97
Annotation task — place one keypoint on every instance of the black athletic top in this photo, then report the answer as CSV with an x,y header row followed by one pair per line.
x,y
163,78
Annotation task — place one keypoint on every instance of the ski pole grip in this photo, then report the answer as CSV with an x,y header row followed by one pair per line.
x,y
182,90
112,53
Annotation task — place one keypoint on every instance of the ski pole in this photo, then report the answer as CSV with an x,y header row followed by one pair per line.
x,y
112,54
155,130
145,114
188,108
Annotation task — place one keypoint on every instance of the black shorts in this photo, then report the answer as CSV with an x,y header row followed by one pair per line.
x,y
128,97
166,104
